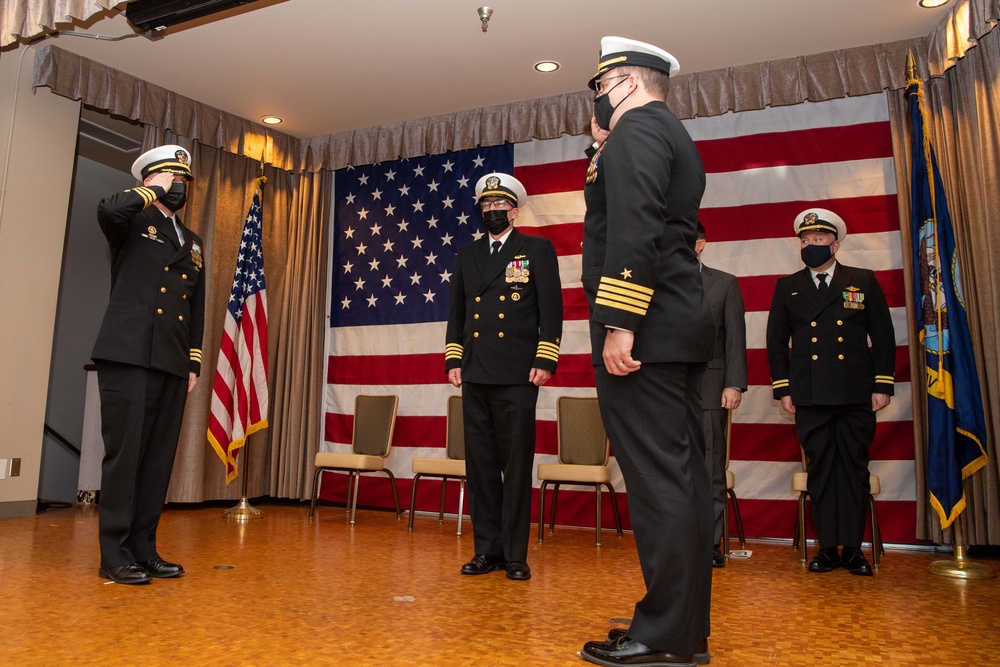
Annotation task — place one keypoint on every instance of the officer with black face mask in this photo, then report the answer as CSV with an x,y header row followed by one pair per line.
x,y
502,344
831,381
148,356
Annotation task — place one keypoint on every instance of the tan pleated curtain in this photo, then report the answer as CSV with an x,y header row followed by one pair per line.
x,y
22,20
959,58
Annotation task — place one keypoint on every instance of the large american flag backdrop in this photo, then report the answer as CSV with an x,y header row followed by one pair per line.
x,y
397,226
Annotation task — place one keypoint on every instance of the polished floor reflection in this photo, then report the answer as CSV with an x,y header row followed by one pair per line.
x,y
284,591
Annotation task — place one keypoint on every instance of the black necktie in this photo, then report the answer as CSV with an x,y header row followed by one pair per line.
x,y
496,248
822,283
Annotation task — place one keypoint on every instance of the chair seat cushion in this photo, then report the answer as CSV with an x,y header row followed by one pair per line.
x,y
800,482
730,480
561,472
349,461
875,484
447,467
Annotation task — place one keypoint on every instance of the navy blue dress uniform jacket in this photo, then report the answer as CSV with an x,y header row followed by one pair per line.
x,y
156,316
506,312
830,362
640,274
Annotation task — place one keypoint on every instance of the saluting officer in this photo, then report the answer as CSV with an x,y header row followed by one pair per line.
x,y
148,356
504,325
831,381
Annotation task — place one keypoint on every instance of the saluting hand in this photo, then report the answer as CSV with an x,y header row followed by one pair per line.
x,y
162,178
599,133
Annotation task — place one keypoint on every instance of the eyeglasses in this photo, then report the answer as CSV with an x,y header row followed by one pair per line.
x,y
496,205
602,84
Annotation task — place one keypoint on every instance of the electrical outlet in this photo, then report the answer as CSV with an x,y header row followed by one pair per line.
x,y
15,467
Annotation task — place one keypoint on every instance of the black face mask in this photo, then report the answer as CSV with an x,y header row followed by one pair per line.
x,y
816,255
175,198
495,221
603,111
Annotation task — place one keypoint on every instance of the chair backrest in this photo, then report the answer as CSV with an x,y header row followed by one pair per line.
x,y
582,439
455,438
374,422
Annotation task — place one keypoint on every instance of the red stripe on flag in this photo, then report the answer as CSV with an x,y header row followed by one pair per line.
x,y
543,179
567,237
865,215
781,149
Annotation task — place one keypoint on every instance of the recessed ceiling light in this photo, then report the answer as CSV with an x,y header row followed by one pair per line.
x,y
547,66
272,120
931,4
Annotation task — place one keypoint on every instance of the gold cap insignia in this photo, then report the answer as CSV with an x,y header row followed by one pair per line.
x,y
182,157
810,218
492,183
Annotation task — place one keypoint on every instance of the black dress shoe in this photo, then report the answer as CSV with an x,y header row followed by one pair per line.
x,y
718,560
701,654
160,568
518,570
483,563
124,574
856,563
825,560
626,651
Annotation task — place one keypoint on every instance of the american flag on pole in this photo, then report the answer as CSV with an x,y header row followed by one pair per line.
x,y
239,392
397,226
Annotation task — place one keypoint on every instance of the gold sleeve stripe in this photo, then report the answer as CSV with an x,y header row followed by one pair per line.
x,y
547,350
453,351
195,354
604,302
632,287
778,384
148,196
625,299
632,294
885,379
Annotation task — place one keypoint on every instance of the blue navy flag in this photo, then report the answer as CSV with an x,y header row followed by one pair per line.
x,y
398,227
956,430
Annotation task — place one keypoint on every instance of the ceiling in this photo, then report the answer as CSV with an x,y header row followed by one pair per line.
x,y
327,67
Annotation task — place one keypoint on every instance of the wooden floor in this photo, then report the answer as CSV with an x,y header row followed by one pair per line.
x,y
323,593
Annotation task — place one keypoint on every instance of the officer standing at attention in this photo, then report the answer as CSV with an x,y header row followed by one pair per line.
x,y
504,325
725,379
148,356
651,335
831,381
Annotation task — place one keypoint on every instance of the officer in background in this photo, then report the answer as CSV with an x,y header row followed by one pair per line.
x,y
504,325
148,356
725,379
831,381
651,336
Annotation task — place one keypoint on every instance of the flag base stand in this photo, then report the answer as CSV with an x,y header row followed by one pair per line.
x,y
961,568
243,512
